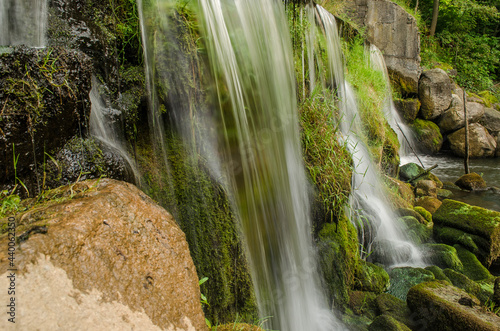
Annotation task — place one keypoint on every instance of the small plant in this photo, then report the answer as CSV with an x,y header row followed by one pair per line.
x,y
204,300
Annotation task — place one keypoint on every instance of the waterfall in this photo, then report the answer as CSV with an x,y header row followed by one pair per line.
x,y
250,50
377,225
105,126
23,22
405,135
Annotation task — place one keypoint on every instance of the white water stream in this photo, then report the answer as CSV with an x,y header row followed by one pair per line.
x,y
23,22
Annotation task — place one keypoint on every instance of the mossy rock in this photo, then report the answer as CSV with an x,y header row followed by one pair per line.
x,y
438,305
431,204
387,323
465,283
402,195
363,303
237,327
389,305
408,108
402,279
371,277
471,182
444,194
424,212
409,171
429,136
416,232
411,212
438,273
443,256
472,267
338,259
481,225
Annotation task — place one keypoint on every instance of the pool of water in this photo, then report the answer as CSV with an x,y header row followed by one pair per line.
x,y
450,168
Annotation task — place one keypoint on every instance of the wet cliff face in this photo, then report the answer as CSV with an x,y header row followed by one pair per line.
x,y
45,101
109,237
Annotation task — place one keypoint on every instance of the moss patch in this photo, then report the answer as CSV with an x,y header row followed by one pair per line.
x,y
429,135
472,267
402,279
443,256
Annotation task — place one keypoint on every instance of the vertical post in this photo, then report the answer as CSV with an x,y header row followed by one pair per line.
x,y
466,156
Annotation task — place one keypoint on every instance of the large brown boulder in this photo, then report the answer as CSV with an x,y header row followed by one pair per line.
x,y
475,228
481,143
103,254
491,120
454,119
437,305
434,92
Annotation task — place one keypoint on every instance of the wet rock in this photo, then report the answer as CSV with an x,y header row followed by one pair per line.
x,y
491,120
471,182
409,171
405,196
425,214
444,194
410,212
442,255
108,236
45,101
438,273
391,306
417,232
434,92
428,135
429,203
404,278
436,305
481,143
475,228
468,285
408,108
426,187
454,119
472,268
363,303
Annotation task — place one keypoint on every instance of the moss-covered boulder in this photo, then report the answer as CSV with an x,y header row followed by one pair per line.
x,y
442,255
431,204
417,232
438,273
389,305
402,279
387,323
402,195
338,259
468,285
472,268
476,228
424,212
471,182
440,306
428,135
370,277
409,171
444,194
410,212
408,108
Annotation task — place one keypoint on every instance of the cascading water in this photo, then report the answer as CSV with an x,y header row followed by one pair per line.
x,y
249,47
378,230
405,134
105,126
23,22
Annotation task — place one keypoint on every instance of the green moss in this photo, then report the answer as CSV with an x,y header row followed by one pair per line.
x,y
417,232
388,304
425,214
363,303
387,323
338,259
370,277
472,267
429,135
463,282
402,279
202,209
453,236
443,256
438,273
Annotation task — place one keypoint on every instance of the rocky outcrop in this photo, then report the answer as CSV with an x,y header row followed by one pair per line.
x,y
408,108
454,119
481,143
440,306
45,101
396,34
105,239
434,92
475,228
